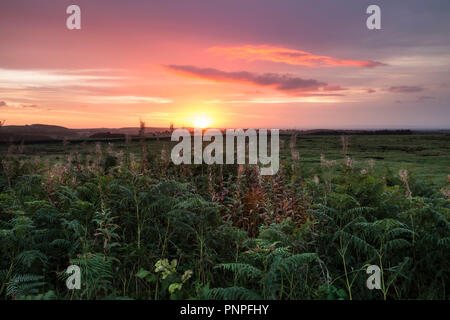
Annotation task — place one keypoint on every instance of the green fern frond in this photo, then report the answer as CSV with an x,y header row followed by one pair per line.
x,y
232,293
24,284
26,258
243,270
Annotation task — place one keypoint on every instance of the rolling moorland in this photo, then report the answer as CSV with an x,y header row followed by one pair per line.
x,y
140,227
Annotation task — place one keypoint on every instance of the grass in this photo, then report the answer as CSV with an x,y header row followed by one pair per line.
x,y
427,156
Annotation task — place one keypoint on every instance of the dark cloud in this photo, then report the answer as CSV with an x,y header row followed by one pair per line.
x,y
371,90
333,88
418,100
405,89
424,98
3,104
281,82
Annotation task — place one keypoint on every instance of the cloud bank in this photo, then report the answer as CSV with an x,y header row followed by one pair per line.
x,y
282,82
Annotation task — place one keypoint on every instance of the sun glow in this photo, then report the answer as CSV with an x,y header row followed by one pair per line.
x,y
202,122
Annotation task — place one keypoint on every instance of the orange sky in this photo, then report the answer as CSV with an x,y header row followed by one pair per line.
x,y
254,64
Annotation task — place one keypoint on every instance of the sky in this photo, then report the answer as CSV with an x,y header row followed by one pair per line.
x,y
226,63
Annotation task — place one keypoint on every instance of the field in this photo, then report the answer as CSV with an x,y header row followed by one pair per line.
x,y
425,155
140,227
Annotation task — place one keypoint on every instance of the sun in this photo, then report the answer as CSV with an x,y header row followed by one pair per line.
x,y
202,122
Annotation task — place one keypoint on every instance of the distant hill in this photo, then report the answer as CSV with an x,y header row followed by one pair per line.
x,y
38,128
44,132
107,135
35,132
126,130
350,132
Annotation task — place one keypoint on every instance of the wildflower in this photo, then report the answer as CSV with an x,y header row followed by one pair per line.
x,y
164,153
295,155
446,193
98,150
10,149
88,162
21,148
5,165
403,174
293,141
69,160
109,149
241,170
316,180
322,160
404,177
37,161
344,140
348,162
65,143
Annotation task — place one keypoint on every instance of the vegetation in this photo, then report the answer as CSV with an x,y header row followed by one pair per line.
x,y
140,227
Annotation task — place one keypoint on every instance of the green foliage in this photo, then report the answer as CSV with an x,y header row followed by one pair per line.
x,y
24,284
147,229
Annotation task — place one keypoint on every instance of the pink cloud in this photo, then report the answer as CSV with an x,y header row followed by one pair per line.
x,y
289,56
